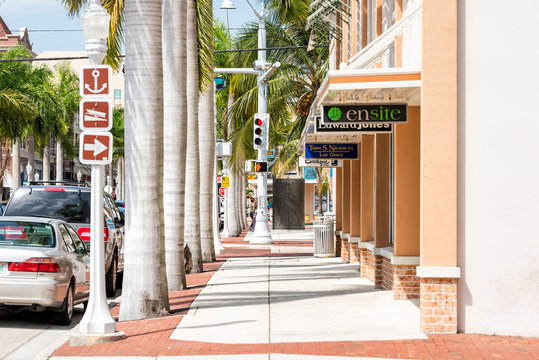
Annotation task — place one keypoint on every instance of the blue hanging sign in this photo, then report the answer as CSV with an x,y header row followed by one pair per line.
x,y
337,151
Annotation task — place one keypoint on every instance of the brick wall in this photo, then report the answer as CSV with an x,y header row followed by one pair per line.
x,y
368,264
355,255
386,281
337,246
345,250
438,305
405,282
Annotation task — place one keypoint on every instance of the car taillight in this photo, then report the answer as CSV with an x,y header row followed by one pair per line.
x,y
14,232
55,189
84,234
35,264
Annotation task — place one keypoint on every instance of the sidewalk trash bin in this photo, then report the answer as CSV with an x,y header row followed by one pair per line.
x,y
324,240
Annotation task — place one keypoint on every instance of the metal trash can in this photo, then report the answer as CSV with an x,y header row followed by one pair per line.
x,y
324,241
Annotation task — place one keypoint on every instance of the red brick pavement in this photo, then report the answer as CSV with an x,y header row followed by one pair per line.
x,y
151,337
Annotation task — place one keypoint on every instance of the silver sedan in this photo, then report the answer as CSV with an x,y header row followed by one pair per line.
x,y
44,265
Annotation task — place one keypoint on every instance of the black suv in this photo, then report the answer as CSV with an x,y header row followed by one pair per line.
x,y
70,202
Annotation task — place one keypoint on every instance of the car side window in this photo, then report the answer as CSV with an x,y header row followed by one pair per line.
x,y
76,240
70,246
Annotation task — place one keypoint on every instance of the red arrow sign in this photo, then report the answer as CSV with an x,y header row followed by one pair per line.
x,y
222,191
95,148
95,80
95,114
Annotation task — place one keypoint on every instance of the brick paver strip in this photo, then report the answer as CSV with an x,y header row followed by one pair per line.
x,y
151,337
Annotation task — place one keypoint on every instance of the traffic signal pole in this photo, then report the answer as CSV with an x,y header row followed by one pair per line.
x,y
261,233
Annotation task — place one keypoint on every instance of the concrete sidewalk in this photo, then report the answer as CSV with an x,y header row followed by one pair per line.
x,y
295,299
263,302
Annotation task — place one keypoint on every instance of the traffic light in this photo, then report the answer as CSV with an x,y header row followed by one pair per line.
x,y
260,131
261,166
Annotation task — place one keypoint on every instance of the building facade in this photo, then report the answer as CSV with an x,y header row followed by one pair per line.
x,y
441,207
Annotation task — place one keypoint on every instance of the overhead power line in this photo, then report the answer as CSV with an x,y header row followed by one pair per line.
x,y
215,52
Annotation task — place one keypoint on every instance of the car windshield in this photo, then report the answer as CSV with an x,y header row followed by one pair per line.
x,y
69,206
20,233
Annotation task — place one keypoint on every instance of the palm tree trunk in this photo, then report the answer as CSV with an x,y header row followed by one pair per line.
x,y
231,226
207,163
31,157
59,161
111,176
46,162
16,162
144,292
192,182
243,199
175,139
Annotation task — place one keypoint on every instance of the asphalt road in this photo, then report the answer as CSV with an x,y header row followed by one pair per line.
x,y
30,335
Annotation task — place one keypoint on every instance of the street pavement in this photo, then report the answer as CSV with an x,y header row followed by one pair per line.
x,y
263,302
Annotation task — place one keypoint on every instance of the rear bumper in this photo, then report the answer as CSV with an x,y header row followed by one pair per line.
x,y
26,292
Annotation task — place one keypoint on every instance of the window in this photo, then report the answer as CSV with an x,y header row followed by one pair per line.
x,y
118,94
70,247
76,239
359,32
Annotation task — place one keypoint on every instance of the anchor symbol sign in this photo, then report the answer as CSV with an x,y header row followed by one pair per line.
x,y
95,80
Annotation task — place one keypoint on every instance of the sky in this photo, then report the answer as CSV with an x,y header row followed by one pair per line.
x,y
42,16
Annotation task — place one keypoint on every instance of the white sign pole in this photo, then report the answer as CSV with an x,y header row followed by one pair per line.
x,y
97,318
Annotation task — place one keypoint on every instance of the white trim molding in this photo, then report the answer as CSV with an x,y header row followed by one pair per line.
x,y
446,272
345,236
367,245
338,232
354,239
405,260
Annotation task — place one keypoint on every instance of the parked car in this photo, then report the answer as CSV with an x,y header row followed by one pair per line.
x,y
70,202
44,265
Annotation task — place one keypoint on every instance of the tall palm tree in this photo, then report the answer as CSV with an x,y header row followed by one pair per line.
x,y
175,138
67,88
192,181
145,290
206,126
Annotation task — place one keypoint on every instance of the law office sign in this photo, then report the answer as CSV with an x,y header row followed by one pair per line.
x,y
354,127
336,151
365,113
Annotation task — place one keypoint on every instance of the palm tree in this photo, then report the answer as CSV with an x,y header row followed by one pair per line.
x,y
207,127
67,88
192,182
175,139
21,93
118,152
145,290
292,89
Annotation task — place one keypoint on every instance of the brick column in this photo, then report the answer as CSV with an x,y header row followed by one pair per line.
x,y
438,305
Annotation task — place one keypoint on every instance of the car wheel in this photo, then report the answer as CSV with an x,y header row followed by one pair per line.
x,y
112,278
65,313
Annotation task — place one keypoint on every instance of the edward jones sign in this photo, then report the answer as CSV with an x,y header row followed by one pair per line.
x,y
371,113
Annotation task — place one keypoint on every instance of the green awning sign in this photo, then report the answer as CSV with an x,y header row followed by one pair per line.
x,y
365,113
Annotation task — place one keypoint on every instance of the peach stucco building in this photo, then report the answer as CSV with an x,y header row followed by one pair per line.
x,y
444,207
